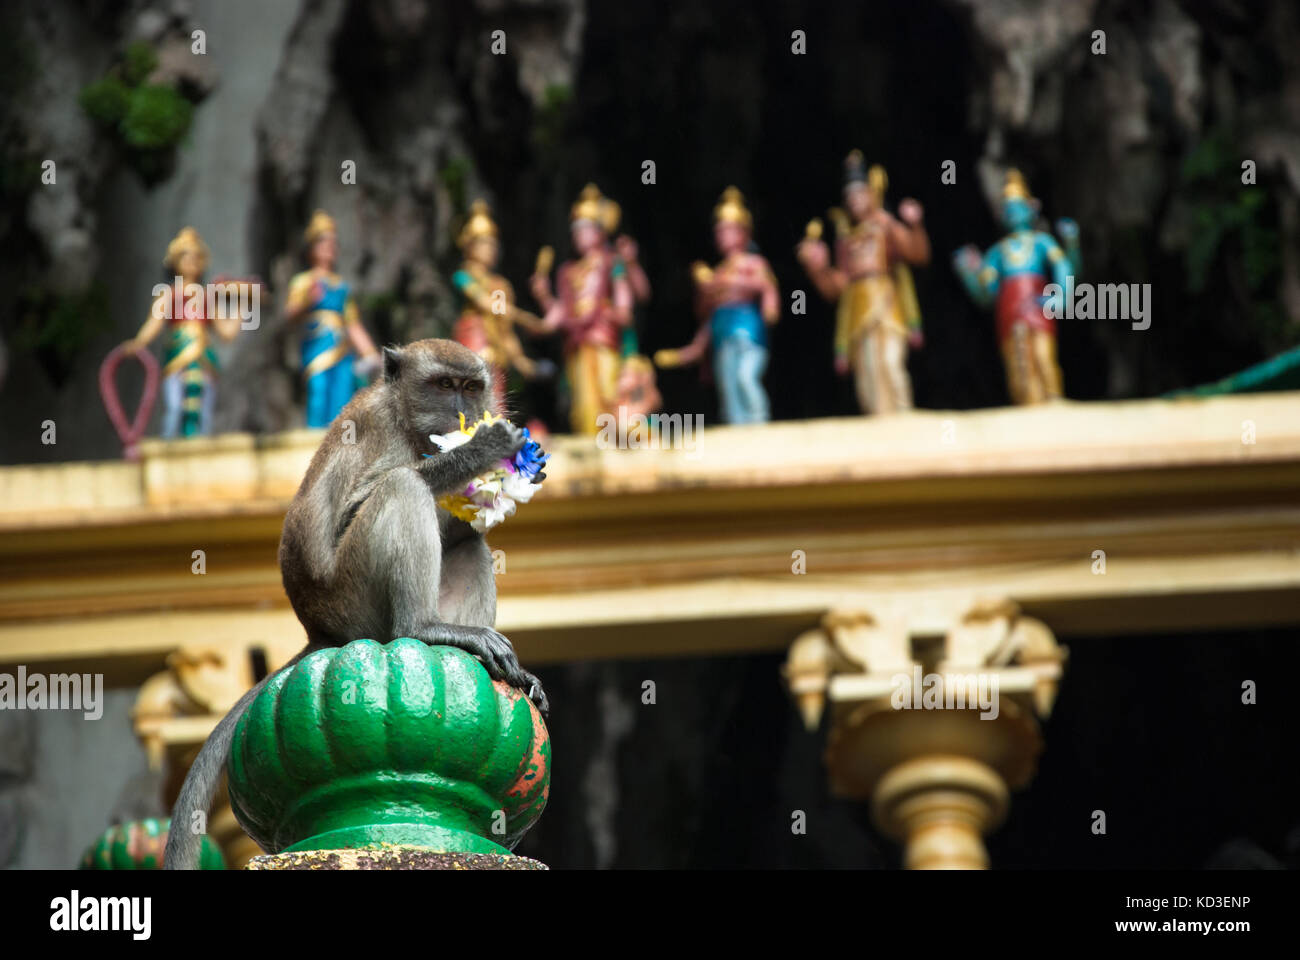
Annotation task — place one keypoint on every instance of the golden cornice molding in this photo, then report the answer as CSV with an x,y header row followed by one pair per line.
x,y
644,551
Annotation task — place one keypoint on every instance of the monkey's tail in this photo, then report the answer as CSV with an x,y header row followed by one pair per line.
x,y
200,784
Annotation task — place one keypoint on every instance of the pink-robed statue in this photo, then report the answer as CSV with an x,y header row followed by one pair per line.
x,y
593,307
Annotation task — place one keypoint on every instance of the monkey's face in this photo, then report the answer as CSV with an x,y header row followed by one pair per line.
x,y
436,382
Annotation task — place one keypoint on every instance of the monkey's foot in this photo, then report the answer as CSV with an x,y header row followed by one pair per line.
x,y
496,653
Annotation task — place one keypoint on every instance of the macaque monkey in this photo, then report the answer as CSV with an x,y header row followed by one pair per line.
x,y
367,553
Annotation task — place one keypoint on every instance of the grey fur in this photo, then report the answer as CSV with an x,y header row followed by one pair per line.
x,y
366,552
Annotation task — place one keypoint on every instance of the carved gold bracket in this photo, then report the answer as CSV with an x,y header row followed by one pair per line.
x,y
177,708
934,727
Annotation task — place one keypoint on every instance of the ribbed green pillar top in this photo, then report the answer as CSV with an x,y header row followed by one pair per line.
x,y
397,743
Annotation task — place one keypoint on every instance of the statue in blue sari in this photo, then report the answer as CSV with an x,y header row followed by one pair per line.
x,y
332,331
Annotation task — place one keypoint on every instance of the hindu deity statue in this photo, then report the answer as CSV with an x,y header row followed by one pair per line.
x,y
877,316
190,365
488,312
593,307
1012,277
332,331
738,300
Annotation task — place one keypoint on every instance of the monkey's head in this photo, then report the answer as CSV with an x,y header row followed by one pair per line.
x,y
433,382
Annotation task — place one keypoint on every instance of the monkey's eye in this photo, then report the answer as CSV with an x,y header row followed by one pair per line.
x,y
446,383
474,386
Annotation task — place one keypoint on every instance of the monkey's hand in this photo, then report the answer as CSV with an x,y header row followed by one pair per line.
x,y
498,440
452,470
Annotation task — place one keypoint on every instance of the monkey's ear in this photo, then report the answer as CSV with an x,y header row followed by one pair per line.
x,y
392,362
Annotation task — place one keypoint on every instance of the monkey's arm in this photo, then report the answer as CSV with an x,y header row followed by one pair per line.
x,y
451,470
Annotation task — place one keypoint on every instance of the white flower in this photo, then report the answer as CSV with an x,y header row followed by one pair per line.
x,y
518,488
449,441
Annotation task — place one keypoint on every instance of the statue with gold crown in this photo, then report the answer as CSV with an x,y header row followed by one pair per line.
x,y
737,300
190,367
1012,277
488,312
593,308
877,316
332,331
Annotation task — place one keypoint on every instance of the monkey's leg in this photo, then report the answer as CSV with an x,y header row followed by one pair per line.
x,y
468,596
391,568
468,591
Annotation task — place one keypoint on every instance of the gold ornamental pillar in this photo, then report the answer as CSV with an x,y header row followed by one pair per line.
x,y
934,729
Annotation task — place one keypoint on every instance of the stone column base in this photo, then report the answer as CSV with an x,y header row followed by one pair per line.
x,y
391,857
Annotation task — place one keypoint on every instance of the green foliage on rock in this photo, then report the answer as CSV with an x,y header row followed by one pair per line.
x,y
145,120
157,117
455,177
552,117
106,100
1234,230
57,326
139,62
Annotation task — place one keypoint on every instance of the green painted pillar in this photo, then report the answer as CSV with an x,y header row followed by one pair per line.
x,y
139,845
398,755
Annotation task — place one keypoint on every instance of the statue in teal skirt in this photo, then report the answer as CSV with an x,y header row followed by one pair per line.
x,y
338,355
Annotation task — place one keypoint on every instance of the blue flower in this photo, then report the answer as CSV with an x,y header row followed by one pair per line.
x,y
530,459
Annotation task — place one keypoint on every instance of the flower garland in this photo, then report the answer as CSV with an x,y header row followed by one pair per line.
x,y
492,496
